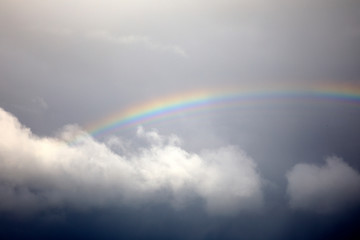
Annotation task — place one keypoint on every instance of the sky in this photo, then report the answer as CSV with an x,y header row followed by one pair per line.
x,y
153,119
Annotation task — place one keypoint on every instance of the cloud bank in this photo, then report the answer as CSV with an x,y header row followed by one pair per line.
x,y
37,173
324,189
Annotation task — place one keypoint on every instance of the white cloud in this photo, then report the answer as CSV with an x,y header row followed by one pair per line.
x,y
37,173
33,106
137,39
40,102
108,37
323,189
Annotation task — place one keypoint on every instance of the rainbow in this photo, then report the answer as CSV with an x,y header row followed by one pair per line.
x,y
220,97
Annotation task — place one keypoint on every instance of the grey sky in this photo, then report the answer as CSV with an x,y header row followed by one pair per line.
x,y
75,62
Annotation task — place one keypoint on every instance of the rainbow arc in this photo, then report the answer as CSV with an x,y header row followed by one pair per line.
x,y
219,98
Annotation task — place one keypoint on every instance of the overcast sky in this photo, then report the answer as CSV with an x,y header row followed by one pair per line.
x,y
269,169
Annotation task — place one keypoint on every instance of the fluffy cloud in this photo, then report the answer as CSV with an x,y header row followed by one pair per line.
x,y
323,189
37,173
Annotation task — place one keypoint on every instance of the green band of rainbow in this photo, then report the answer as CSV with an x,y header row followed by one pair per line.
x,y
192,101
